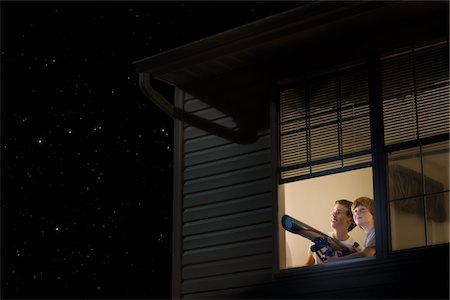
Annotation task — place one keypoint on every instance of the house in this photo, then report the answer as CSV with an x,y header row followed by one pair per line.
x,y
331,99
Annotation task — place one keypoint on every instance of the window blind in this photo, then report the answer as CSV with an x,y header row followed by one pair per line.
x,y
415,88
324,125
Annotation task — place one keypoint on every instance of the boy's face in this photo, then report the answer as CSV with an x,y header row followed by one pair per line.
x,y
339,218
362,215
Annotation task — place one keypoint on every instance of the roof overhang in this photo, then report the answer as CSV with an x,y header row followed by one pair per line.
x,y
234,70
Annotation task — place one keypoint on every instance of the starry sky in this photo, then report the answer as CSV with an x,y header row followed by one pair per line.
x,y
86,159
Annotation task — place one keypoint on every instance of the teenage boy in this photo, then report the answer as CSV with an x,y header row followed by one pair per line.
x,y
341,221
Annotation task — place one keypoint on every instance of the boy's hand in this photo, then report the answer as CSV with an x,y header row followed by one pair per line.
x,y
329,259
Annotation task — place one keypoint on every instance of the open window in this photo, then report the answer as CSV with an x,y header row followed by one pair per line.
x,y
325,153
311,201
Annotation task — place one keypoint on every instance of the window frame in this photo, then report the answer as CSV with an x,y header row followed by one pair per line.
x,y
378,165
358,66
409,144
379,169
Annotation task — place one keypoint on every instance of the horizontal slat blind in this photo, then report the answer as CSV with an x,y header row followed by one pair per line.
x,y
355,120
324,124
416,94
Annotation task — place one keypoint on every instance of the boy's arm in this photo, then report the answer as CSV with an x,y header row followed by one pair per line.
x,y
310,260
368,251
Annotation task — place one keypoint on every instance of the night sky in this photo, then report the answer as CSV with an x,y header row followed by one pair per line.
x,y
86,159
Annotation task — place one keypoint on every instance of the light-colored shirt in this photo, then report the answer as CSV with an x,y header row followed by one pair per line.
x,y
370,238
349,243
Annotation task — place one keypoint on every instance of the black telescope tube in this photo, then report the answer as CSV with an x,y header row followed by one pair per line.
x,y
290,224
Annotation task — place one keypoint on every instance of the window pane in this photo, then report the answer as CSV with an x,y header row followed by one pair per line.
x,y
399,118
295,172
437,218
433,106
293,148
293,106
405,179
354,89
355,129
324,142
357,160
322,97
415,94
397,75
326,166
325,124
399,113
407,223
432,90
436,167
419,204
431,66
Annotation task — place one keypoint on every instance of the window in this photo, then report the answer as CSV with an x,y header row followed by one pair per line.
x,y
324,142
325,138
325,125
418,196
416,124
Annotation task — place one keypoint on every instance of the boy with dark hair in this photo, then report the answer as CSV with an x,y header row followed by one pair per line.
x,y
341,221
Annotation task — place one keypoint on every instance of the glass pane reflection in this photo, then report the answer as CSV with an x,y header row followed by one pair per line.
x,y
437,218
407,223
436,167
405,176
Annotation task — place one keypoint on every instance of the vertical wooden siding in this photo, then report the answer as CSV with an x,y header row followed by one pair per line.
x,y
227,240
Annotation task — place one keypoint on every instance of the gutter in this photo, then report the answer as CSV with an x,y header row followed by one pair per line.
x,y
239,136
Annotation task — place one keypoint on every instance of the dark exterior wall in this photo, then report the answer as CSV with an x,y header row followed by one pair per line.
x,y
224,240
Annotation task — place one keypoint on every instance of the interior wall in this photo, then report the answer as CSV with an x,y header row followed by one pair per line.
x,y
311,201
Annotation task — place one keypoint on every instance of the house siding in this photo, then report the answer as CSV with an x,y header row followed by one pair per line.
x,y
226,239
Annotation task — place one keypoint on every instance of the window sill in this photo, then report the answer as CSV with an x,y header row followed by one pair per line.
x,y
400,275
334,267
400,259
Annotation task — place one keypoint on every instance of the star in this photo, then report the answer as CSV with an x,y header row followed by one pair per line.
x,y
82,183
